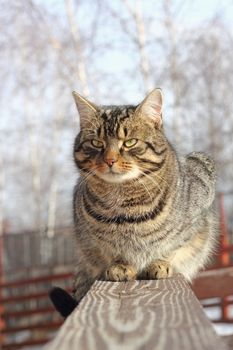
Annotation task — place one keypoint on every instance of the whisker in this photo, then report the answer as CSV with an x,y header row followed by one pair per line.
x,y
154,174
86,176
140,181
152,180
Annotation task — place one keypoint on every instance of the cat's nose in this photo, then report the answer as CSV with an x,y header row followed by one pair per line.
x,y
110,161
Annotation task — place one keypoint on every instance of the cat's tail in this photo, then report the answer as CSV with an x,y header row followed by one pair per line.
x,y
63,302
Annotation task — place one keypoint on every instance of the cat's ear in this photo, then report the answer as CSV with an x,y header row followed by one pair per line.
x,y
85,108
152,105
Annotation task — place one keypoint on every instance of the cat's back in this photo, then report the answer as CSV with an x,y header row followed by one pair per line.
x,y
201,174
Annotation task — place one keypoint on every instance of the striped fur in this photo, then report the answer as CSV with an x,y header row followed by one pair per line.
x,y
139,211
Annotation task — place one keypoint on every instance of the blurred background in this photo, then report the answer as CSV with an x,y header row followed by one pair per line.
x,y
112,52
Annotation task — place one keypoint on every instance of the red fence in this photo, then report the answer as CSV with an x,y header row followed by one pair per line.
x,y
214,288
28,318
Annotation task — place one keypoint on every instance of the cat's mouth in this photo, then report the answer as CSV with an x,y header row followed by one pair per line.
x,y
116,176
113,171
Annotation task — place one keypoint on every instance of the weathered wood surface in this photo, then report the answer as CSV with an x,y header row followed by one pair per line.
x,y
228,339
143,315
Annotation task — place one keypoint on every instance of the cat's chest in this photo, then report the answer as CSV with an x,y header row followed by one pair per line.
x,y
126,243
138,251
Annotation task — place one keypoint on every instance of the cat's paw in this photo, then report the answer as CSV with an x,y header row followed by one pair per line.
x,y
120,273
157,270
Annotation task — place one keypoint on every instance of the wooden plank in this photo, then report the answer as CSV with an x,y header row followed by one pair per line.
x,y
227,248
214,283
46,326
138,315
25,344
28,312
229,340
33,280
218,266
26,297
216,304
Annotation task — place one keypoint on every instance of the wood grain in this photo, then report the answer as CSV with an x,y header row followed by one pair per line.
x,y
138,315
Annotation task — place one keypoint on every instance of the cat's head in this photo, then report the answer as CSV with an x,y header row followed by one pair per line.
x,y
120,143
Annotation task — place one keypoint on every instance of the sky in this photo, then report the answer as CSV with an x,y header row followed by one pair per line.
x,y
195,11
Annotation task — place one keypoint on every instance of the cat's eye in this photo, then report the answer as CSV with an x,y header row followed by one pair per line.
x,y
97,143
130,143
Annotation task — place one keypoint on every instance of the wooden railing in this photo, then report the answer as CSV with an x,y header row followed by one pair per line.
x,y
32,312
163,314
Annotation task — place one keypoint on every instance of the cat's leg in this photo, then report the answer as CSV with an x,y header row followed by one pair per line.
x,y
81,284
189,258
89,268
158,269
120,272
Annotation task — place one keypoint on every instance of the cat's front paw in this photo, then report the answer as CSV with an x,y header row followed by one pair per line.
x,y
120,273
157,270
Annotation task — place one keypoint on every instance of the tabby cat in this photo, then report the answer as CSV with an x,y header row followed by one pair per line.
x,y
140,210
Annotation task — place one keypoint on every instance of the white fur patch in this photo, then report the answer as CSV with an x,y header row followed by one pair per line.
x,y
118,178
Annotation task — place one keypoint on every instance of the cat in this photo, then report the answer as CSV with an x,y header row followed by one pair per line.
x,y
140,210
